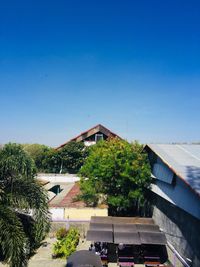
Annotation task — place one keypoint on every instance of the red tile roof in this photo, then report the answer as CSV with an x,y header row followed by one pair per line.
x,y
69,199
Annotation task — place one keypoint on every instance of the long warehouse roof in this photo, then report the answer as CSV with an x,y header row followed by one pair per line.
x,y
183,160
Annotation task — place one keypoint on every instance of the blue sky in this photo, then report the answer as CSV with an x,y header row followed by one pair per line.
x,y
133,66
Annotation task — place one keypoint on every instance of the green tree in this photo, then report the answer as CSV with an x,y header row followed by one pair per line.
x,y
51,161
39,154
118,172
24,217
72,156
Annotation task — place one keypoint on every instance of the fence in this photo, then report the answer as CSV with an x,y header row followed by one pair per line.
x,y
84,214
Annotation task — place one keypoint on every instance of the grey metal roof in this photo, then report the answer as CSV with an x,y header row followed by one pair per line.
x,y
127,238
121,220
100,236
101,226
184,160
147,228
153,238
128,228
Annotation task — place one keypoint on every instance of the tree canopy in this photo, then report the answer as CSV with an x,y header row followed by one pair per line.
x,y
24,217
118,172
38,153
70,158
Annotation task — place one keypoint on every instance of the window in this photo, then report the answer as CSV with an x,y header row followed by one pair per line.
x,y
98,137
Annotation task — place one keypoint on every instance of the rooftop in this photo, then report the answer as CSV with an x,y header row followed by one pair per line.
x,y
183,160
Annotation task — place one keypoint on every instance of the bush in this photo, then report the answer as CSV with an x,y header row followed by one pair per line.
x,y
61,233
64,247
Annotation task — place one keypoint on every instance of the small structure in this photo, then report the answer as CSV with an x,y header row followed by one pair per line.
x,y
84,258
176,192
92,136
128,240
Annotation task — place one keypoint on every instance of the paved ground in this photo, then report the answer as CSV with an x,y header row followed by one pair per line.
x,y
43,256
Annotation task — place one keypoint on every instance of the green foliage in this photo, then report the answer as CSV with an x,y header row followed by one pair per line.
x,y
61,233
72,156
51,161
14,161
64,247
39,154
118,170
20,233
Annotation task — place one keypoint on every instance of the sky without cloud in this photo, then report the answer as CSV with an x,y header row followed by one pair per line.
x,y
133,66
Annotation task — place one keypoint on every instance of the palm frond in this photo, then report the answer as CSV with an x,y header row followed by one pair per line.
x,y
12,238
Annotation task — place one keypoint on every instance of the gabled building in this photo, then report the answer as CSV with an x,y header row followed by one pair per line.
x,y
92,136
176,191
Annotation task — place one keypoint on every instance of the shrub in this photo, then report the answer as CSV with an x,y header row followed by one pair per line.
x,y
64,247
61,233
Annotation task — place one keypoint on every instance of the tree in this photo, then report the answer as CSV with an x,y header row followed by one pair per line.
x,y
24,217
39,154
120,172
72,156
68,159
51,161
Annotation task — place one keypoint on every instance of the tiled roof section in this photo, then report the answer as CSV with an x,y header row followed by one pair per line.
x,y
91,131
69,199
183,160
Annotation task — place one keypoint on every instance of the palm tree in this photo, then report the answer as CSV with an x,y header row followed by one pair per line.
x,y
24,217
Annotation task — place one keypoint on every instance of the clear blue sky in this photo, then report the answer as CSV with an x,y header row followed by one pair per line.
x,y
67,65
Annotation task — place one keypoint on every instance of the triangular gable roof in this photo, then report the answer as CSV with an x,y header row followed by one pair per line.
x,y
90,132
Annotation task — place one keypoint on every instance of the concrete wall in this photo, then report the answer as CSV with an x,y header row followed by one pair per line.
x,y
85,213
182,230
76,213
58,178
81,225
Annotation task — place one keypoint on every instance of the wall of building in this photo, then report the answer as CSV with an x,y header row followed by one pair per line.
x,y
182,230
174,190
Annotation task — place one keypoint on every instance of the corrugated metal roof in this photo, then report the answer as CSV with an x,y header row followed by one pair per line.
x,y
184,160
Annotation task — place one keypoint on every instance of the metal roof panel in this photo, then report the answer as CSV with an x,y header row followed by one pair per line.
x,y
184,161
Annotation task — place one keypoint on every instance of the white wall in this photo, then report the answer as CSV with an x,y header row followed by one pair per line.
x,y
57,213
58,178
76,213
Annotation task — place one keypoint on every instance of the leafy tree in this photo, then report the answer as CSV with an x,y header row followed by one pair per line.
x,y
68,159
120,172
51,161
39,153
72,156
24,217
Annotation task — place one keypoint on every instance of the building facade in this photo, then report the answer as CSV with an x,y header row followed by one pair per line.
x,y
176,194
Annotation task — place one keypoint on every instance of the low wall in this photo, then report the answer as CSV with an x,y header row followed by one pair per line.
x,y
83,214
58,178
81,225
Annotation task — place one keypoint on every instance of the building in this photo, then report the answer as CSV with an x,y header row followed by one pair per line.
x,y
176,191
93,135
